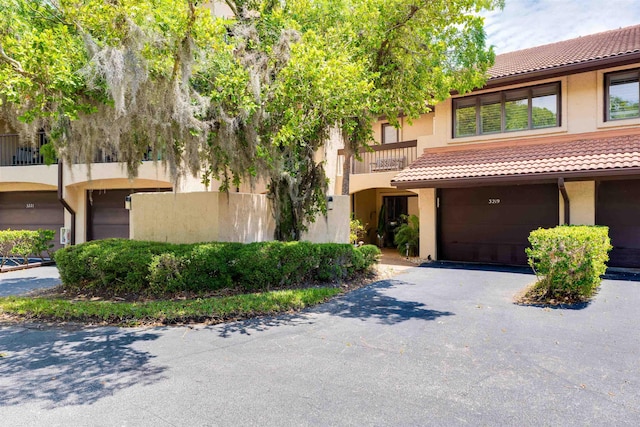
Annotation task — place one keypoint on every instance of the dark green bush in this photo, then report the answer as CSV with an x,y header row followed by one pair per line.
x,y
125,267
569,260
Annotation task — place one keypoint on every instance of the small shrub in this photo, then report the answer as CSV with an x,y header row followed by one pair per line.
x,y
370,254
357,231
569,260
408,233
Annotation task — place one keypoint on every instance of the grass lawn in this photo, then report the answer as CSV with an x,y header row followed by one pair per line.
x,y
198,310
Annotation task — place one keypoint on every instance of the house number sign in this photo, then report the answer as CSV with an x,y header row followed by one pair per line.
x,y
494,201
31,205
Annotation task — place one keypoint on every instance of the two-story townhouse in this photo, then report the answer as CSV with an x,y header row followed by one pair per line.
x,y
552,138
91,205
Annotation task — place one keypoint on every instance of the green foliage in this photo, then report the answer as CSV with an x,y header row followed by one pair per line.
x,y
22,243
408,233
242,99
125,267
569,260
357,231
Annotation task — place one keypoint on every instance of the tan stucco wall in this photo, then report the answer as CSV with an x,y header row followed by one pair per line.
x,y
409,129
365,181
33,174
582,202
212,216
428,230
25,186
174,217
244,218
335,227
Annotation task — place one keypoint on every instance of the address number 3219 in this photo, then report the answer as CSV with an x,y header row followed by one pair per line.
x,y
494,201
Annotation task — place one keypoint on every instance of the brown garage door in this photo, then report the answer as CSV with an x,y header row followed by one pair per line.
x,y
618,206
106,214
30,210
492,224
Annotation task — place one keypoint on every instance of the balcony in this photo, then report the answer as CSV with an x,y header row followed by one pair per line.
x,y
383,158
14,152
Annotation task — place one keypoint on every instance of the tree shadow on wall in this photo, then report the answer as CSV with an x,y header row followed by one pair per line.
x,y
67,367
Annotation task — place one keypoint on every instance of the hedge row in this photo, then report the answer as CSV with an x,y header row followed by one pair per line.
x,y
569,260
22,243
121,267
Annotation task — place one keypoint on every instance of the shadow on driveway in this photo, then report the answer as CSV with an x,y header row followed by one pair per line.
x,y
66,367
366,303
371,302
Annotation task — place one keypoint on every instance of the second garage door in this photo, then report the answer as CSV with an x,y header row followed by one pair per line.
x,y
618,207
492,224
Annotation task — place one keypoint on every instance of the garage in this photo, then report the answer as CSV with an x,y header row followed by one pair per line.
x,y
618,207
492,224
31,210
106,214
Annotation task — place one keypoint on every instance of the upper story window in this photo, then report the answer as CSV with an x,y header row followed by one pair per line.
x,y
389,134
511,110
623,95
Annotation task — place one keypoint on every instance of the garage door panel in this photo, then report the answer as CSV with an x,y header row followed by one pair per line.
x,y
492,224
618,207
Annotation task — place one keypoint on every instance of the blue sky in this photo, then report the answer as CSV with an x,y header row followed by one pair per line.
x,y
527,23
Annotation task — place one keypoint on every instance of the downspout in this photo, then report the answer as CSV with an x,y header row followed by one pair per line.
x,y
65,204
565,197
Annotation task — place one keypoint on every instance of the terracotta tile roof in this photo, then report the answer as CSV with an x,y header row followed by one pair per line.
x,y
584,49
561,155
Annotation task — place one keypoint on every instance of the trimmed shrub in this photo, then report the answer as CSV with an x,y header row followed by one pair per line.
x,y
121,267
569,260
22,243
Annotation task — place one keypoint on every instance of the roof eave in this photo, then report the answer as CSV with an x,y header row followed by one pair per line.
x,y
564,70
533,178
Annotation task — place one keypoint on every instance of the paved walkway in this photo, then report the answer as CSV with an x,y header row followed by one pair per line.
x,y
431,346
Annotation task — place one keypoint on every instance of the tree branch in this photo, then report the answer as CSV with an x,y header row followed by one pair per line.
x,y
232,6
385,46
14,64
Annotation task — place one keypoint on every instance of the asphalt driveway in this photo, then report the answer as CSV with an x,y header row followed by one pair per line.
x,y
432,346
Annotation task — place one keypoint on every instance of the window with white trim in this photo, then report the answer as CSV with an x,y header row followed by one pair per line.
x,y
623,95
534,107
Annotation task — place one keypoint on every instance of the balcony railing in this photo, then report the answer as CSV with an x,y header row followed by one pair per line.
x,y
383,158
14,152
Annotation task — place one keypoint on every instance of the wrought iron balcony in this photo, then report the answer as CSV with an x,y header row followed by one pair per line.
x,y
383,158
14,152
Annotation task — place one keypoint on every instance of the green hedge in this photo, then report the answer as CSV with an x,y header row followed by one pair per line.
x,y
22,243
569,260
122,267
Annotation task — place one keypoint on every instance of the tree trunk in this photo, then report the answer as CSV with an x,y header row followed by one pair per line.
x,y
346,170
288,224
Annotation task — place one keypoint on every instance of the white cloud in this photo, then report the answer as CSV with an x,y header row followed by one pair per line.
x,y
527,23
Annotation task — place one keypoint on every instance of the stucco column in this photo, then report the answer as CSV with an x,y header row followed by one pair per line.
x,y
582,201
428,238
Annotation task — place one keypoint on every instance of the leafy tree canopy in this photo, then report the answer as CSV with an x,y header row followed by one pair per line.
x,y
251,97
